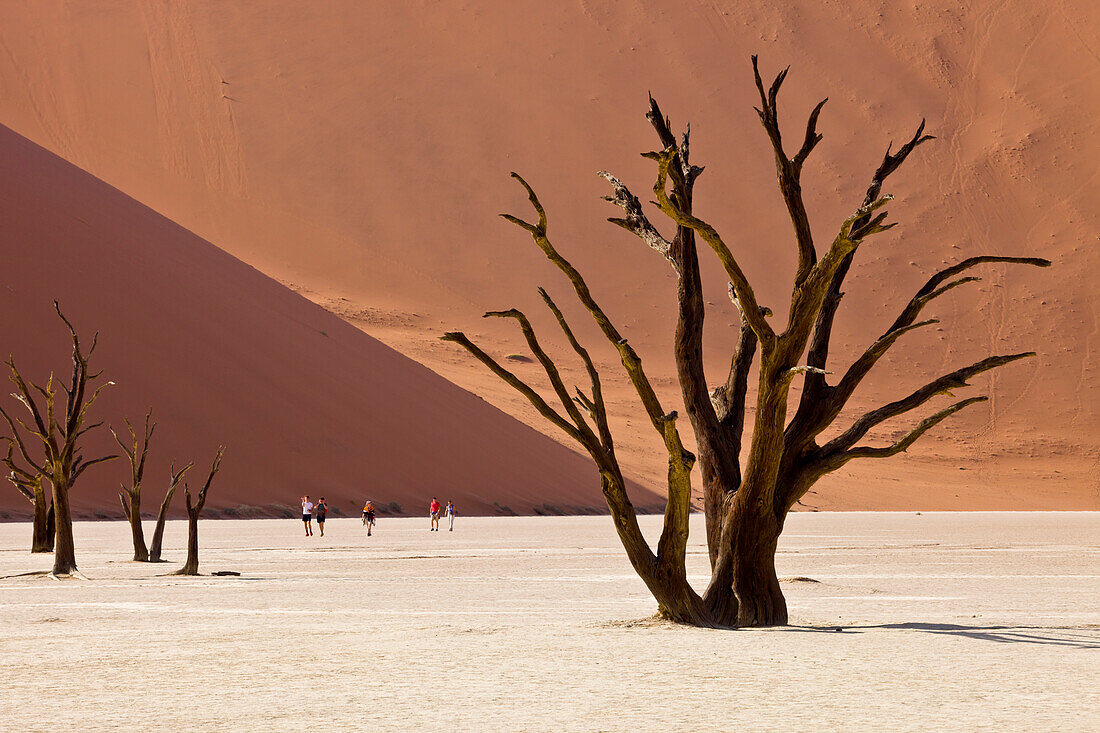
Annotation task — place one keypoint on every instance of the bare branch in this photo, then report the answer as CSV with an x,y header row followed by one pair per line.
x,y
835,398
910,438
636,221
823,326
942,385
788,170
629,357
741,286
80,465
15,438
214,467
595,406
932,289
548,366
516,383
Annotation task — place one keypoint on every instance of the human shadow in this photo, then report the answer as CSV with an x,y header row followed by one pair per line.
x,y
1078,637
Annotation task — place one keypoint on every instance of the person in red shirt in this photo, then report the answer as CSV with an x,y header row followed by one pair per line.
x,y
434,509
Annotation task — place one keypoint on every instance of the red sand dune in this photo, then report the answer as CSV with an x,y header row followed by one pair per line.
x,y
303,401
359,152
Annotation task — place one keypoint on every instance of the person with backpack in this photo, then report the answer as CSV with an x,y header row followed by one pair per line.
x,y
368,516
319,512
450,516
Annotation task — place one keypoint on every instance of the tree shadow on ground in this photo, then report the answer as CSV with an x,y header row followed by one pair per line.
x,y
1078,637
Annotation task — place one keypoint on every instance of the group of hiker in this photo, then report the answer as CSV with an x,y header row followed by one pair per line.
x,y
312,512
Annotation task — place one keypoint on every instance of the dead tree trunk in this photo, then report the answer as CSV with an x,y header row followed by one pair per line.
x,y
191,567
58,433
162,516
745,507
30,486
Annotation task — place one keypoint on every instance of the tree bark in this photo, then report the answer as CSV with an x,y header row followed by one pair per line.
x,y
137,534
191,567
158,531
43,529
64,555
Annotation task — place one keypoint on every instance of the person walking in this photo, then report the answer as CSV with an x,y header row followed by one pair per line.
x,y
450,516
368,516
319,512
433,509
307,515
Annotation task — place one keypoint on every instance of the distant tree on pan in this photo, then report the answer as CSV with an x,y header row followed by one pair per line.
x,y
57,434
745,510
29,484
136,451
158,530
194,509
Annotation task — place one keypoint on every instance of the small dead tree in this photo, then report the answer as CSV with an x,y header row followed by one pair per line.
x,y
130,497
59,434
194,508
29,484
744,510
162,516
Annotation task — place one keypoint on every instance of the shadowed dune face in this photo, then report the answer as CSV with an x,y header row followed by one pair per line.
x,y
304,402
359,154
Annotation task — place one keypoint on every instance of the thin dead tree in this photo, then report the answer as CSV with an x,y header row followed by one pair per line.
x,y
194,508
59,435
745,509
162,515
29,484
130,496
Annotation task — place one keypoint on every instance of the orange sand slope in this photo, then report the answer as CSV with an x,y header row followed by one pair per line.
x,y
359,152
304,402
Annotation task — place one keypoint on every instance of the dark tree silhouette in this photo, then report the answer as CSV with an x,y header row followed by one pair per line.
x,y
29,484
191,567
58,435
136,452
745,509
158,530
130,497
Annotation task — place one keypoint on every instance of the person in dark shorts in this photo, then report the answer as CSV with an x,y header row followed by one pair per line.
x,y
368,516
319,513
433,509
307,515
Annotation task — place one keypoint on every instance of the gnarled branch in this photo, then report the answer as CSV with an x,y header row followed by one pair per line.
x,y
549,367
631,362
789,170
516,383
741,287
942,385
835,461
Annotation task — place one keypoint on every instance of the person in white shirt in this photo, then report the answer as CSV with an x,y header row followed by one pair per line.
x,y
307,514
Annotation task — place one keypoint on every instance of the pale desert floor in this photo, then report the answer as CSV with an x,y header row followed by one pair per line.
x,y
981,621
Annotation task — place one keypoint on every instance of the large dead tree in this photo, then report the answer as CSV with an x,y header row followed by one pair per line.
x,y
29,484
744,508
136,451
194,508
57,434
